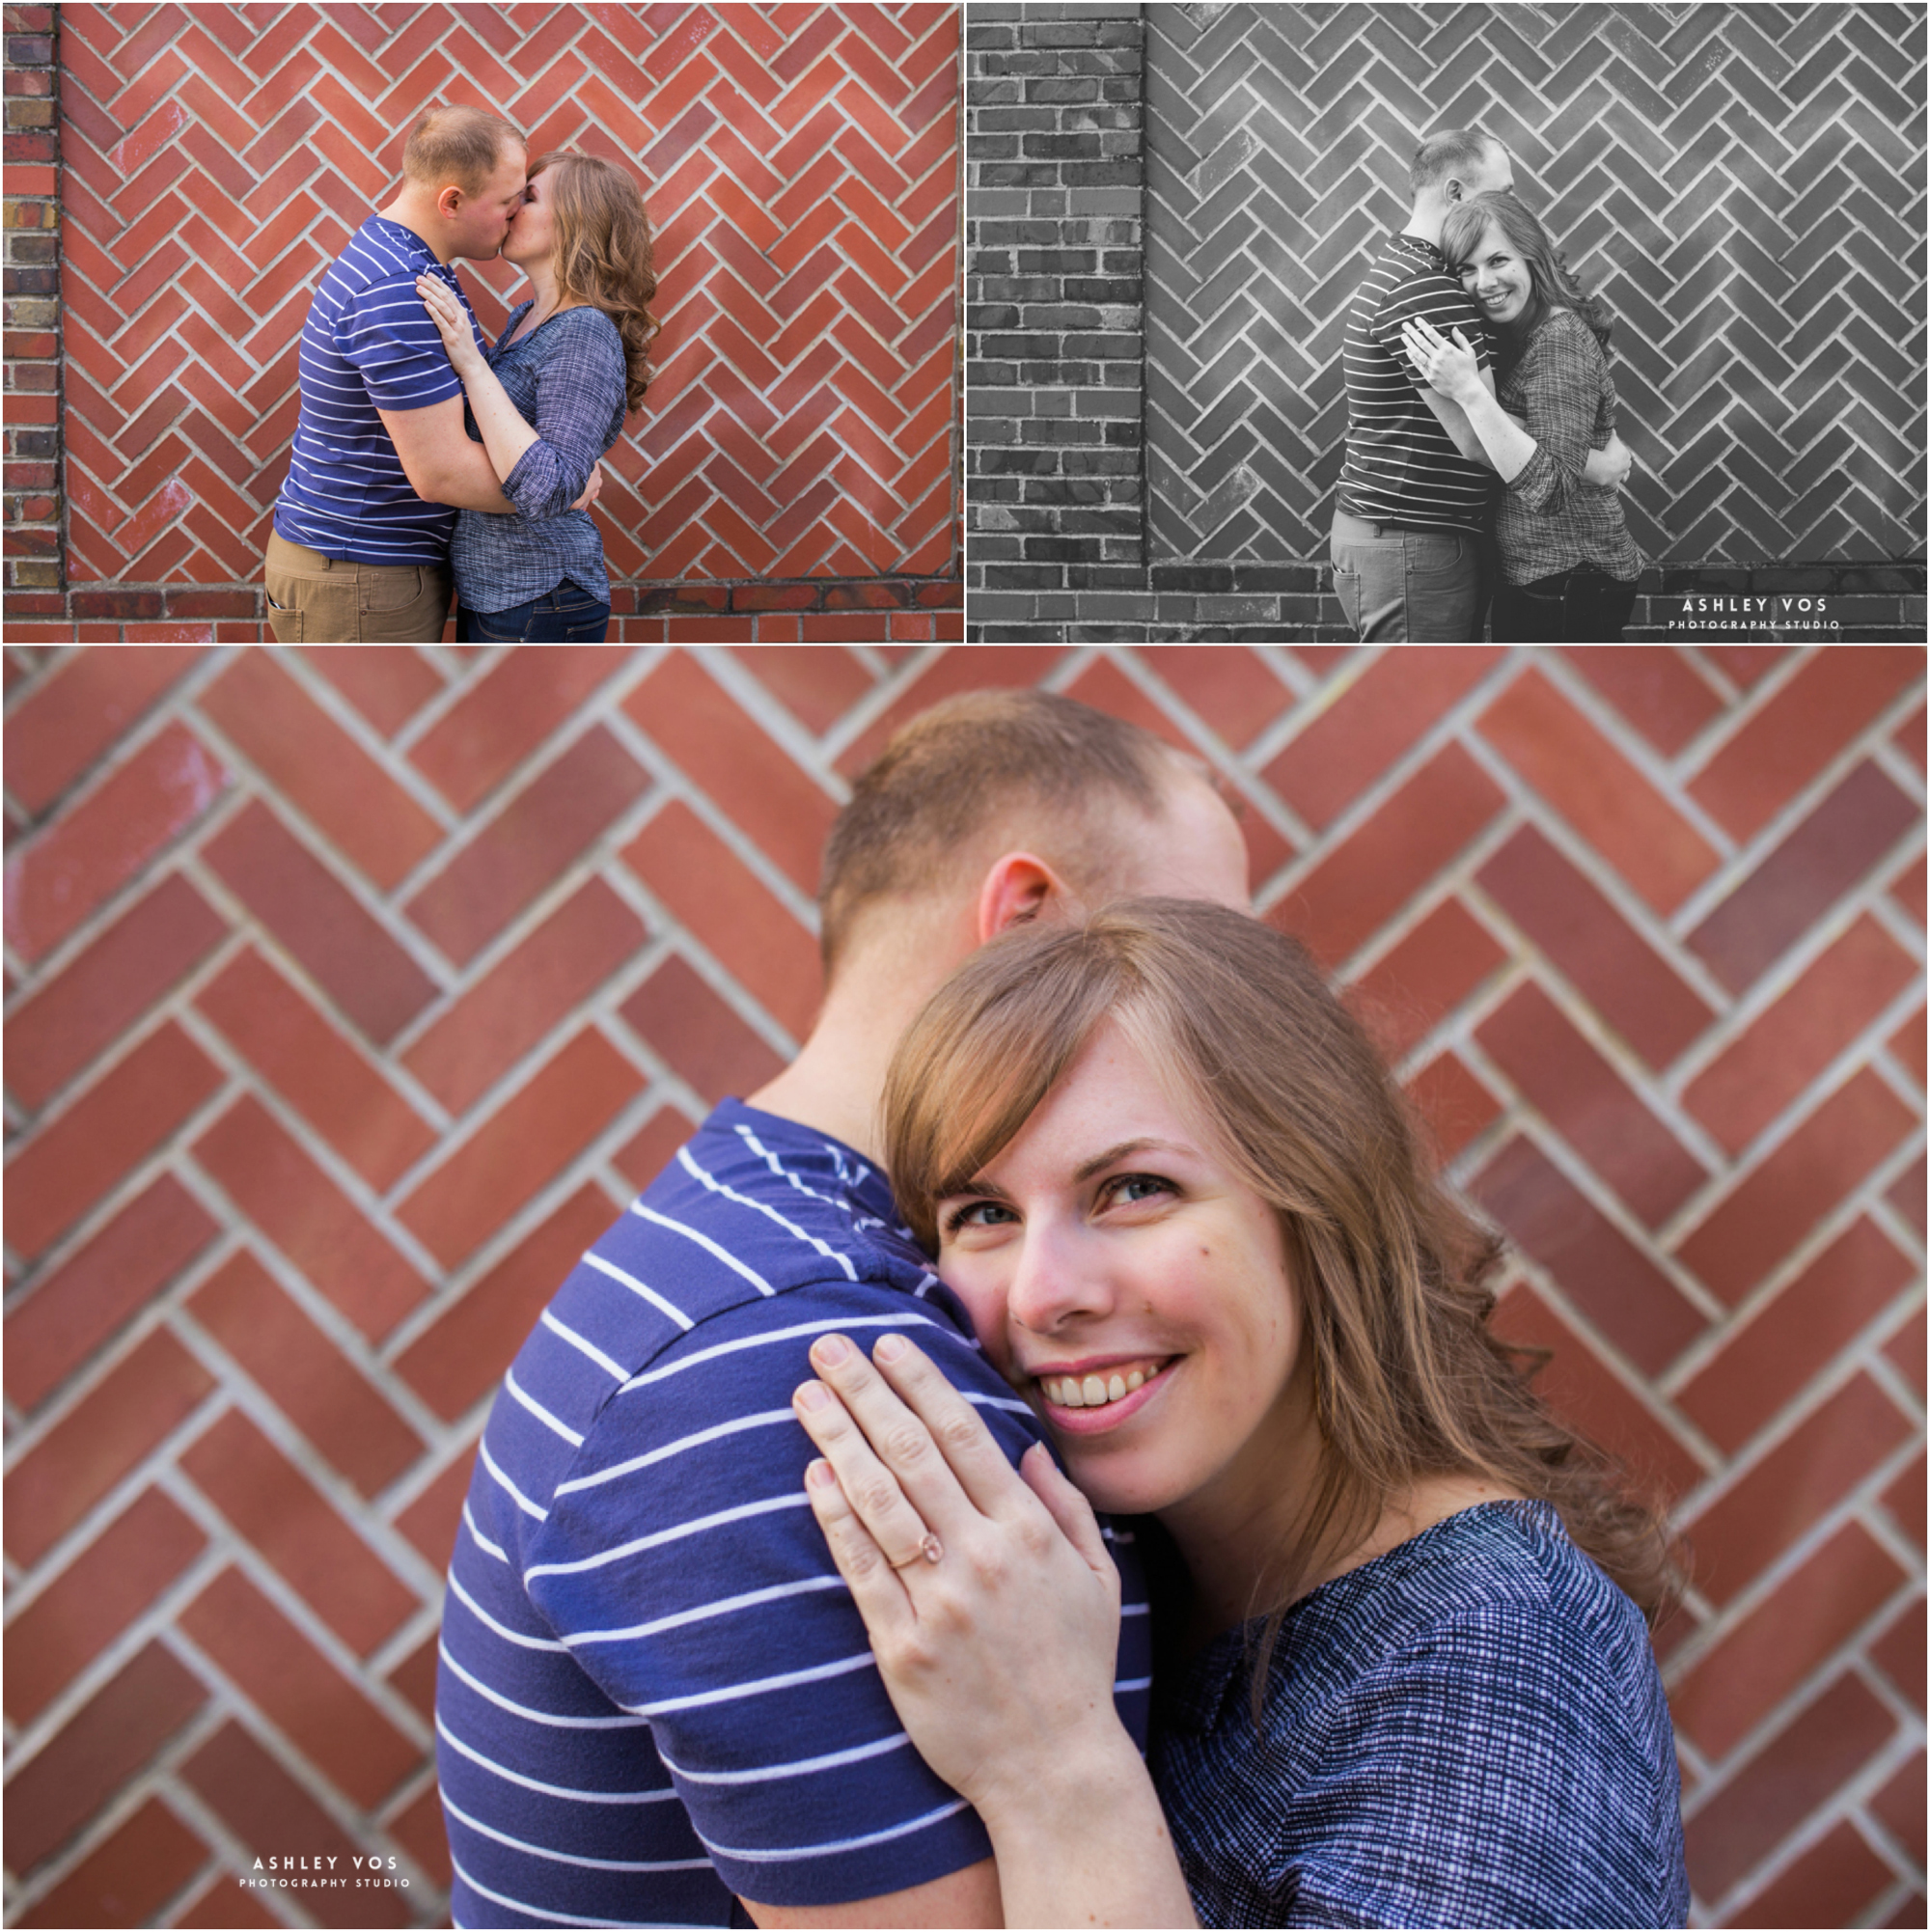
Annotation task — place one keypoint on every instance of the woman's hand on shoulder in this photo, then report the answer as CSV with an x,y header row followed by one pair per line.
x,y
991,1601
451,323
1452,369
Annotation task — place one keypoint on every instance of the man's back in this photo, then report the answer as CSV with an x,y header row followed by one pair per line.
x,y
655,1692
368,345
1402,466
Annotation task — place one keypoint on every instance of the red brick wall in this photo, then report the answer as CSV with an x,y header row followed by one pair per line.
x,y
790,474
351,991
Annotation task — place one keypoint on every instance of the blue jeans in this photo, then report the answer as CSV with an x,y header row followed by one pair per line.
x,y
563,616
1399,585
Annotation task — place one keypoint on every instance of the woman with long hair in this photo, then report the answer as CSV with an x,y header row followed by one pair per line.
x,y
1402,1673
550,398
1569,566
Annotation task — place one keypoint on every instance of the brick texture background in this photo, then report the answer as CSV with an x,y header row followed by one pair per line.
x,y
1743,183
351,992
29,296
791,472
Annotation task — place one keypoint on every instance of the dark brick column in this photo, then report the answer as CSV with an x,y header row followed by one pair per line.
x,y
1054,339
32,313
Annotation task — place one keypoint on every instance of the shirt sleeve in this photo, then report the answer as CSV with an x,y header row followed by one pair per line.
x,y
386,333
1440,300
1482,1776
1560,384
579,392
682,1566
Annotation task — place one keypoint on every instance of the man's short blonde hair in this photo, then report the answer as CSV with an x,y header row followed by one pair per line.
x,y
1031,765
1462,153
456,147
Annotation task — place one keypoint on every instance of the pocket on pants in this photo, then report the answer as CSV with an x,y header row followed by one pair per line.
x,y
420,621
1435,553
1347,588
504,627
392,590
286,621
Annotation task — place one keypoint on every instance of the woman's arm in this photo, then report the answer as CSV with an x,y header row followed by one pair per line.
x,y
1451,369
993,1609
1563,388
1609,467
578,407
505,433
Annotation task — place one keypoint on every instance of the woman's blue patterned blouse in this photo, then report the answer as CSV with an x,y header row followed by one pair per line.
x,y
1469,1730
566,381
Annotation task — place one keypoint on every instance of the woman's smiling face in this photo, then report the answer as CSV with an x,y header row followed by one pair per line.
x,y
1497,277
1135,1291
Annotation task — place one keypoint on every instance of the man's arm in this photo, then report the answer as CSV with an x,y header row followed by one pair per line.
x,y
699,1594
967,1897
440,461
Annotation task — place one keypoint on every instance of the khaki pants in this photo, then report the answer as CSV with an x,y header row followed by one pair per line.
x,y
317,600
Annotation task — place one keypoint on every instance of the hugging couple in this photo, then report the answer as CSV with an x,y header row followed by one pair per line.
x,y
779,1596
1482,460
424,458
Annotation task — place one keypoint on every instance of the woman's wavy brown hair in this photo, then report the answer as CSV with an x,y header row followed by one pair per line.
x,y
605,252
1410,1380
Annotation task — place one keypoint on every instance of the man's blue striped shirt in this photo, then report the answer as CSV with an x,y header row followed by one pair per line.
x,y
655,1692
368,344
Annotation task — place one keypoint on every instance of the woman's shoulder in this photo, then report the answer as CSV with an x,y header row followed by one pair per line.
x,y
1481,1685
585,336
1498,1590
1565,333
586,320
573,330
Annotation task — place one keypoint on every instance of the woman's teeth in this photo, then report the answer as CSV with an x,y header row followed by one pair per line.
x,y
1094,1392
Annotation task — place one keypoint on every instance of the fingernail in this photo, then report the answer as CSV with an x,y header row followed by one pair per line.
x,y
812,1396
830,1349
890,1348
819,1474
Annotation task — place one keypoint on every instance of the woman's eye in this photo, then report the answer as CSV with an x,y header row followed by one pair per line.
x,y
975,1214
1135,1187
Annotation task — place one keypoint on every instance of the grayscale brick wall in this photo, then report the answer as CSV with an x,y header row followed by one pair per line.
x,y
1054,321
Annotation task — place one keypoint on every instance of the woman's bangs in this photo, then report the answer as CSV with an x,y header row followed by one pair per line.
x,y
968,1086
995,1097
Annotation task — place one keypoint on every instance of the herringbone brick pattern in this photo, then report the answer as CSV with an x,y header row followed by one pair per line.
x,y
800,165
1743,184
349,992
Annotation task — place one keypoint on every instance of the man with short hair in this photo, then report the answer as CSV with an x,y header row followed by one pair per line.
x,y
381,462
1413,507
657,1698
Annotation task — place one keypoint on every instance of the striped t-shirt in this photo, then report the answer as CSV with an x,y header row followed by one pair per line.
x,y
368,345
655,1690
1402,466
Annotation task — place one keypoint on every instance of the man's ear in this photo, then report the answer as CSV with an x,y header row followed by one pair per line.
x,y
449,201
1018,887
